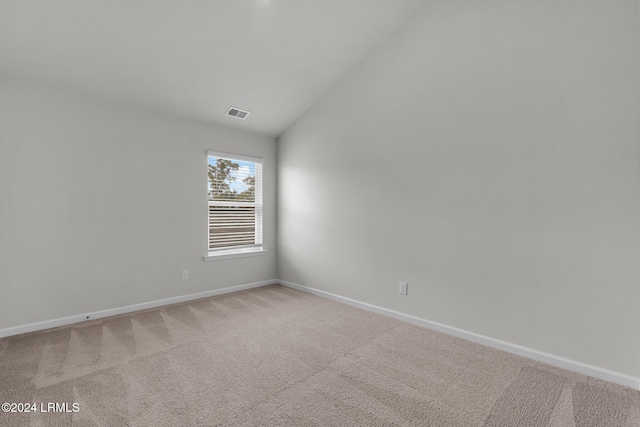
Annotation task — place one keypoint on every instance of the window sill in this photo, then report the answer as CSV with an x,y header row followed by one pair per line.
x,y
234,253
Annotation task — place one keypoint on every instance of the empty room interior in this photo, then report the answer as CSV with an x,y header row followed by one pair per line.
x,y
320,213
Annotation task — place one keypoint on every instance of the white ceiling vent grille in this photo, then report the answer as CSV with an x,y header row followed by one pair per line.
x,y
238,113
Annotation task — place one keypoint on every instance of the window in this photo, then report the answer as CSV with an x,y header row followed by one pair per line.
x,y
235,205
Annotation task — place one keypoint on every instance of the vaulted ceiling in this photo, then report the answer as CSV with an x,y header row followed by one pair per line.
x,y
195,58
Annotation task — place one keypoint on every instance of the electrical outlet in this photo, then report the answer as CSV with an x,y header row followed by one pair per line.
x,y
403,288
185,274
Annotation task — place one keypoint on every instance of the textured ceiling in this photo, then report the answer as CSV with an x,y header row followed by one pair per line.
x,y
194,59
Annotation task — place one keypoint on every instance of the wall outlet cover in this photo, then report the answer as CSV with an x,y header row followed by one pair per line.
x,y
404,288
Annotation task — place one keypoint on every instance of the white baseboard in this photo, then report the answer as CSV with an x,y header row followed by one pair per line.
x,y
550,359
62,321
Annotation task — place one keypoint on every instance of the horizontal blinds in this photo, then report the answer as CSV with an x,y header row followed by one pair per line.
x,y
231,226
235,202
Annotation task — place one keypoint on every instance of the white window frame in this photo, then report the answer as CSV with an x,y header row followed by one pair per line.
x,y
246,250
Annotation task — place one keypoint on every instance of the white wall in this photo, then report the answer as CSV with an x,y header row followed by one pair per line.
x,y
102,206
488,154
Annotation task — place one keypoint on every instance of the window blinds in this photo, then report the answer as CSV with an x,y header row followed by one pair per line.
x,y
235,201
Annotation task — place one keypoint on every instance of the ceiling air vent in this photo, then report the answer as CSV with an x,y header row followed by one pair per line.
x,y
237,113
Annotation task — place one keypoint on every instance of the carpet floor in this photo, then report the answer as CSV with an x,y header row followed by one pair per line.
x,y
274,356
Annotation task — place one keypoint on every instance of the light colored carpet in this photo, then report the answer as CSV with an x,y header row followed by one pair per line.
x,y
278,357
